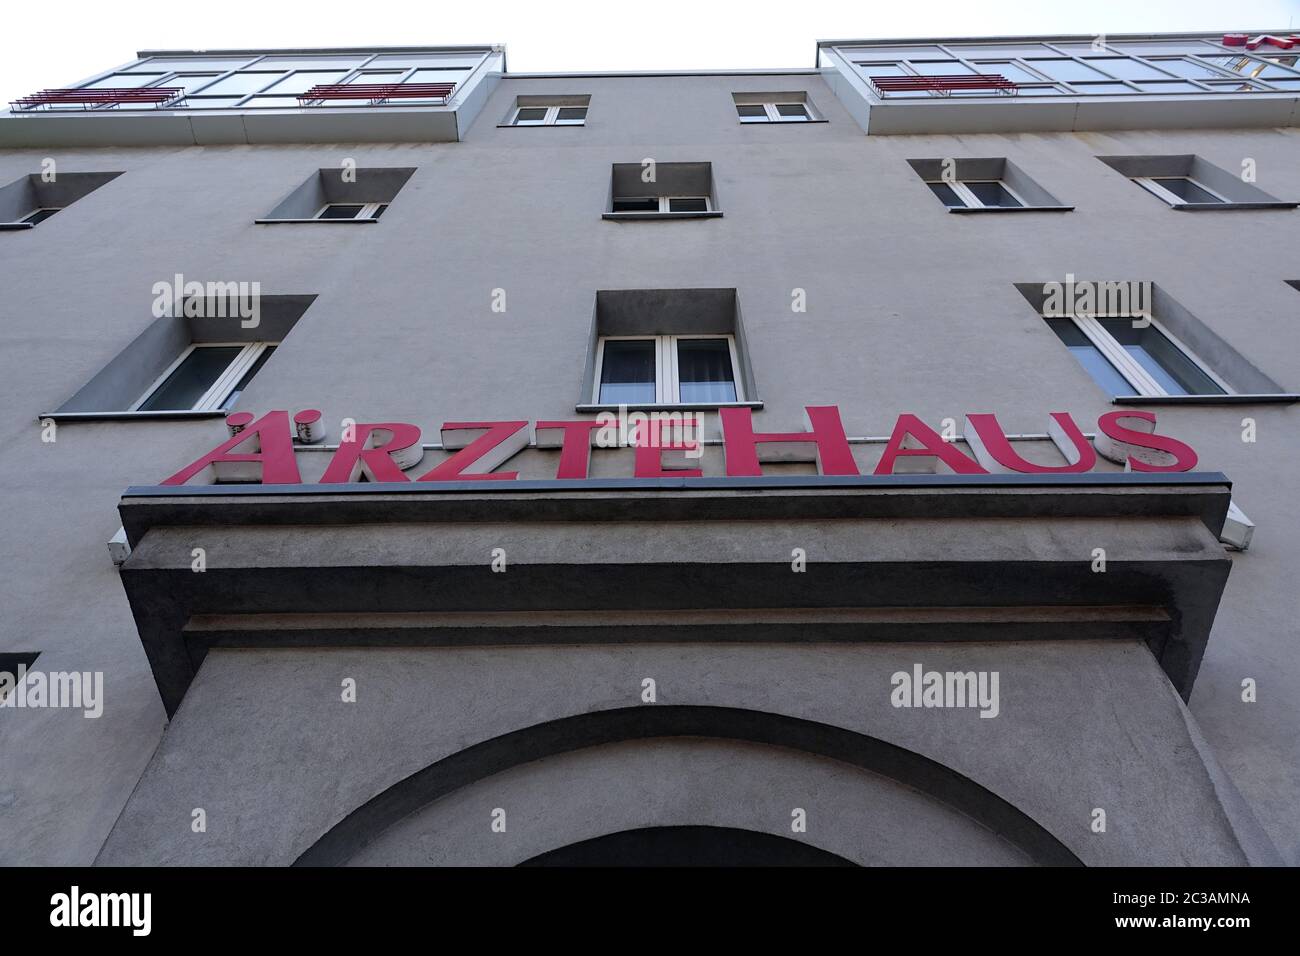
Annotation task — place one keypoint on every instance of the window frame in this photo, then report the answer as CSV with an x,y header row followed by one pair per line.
x,y
665,206
972,201
667,371
38,210
552,117
220,390
1160,192
773,115
1129,368
369,210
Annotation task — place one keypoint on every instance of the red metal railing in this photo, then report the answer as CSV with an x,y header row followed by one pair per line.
x,y
376,92
943,84
88,99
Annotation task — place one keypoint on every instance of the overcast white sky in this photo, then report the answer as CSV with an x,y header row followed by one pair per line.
x,y
54,44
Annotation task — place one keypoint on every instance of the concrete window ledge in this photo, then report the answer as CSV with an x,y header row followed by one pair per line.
x,y
63,417
966,210
647,216
1269,398
272,222
1217,206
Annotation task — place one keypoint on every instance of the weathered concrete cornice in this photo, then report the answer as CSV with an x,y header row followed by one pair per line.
x,y
909,560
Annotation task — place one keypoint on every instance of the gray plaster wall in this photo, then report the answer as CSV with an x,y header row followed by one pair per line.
x,y
910,309
266,747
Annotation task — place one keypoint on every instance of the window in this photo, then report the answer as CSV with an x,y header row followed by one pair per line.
x,y
301,82
990,184
687,203
773,112
667,347
1189,183
1234,86
241,84
1064,69
1125,68
976,194
41,214
343,210
681,190
32,199
883,69
1012,71
549,116
1189,68
123,81
776,106
666,370
1133,355
1171,86
1103,89
189,82
206,377
628,372
637,204
531,116
548,110
941,68
193,361
211,102
377,76
331,195
1178,189
662,204
1077,69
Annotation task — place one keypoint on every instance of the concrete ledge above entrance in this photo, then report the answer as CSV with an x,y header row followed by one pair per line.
x,y
785,560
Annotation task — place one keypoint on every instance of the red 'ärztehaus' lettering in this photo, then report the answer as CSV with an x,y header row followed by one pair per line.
x,y
385,451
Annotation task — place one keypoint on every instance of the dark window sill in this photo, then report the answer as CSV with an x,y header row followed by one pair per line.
x,y
967,210
180,415
15,226
681,407
344,222
1270,398
807,122
646,216
540,125
1216,206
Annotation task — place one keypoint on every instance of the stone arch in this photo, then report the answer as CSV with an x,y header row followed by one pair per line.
x,y
566,735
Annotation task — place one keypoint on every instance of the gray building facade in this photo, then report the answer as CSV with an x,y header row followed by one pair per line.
x,y
341,643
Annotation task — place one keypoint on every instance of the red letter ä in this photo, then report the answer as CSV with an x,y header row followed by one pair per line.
x,y
272,447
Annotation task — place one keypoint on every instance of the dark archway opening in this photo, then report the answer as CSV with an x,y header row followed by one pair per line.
x,y
688,846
